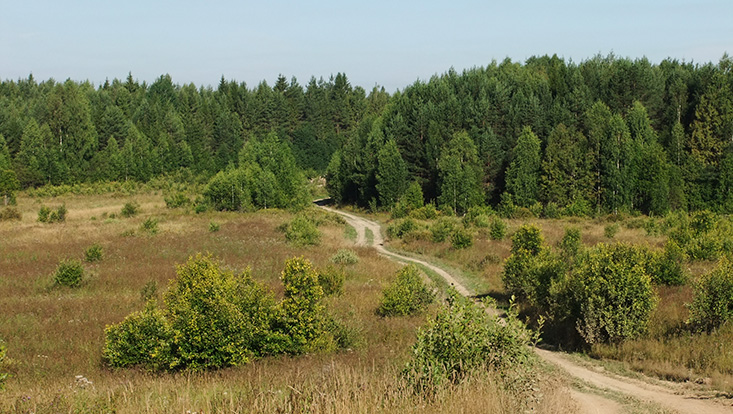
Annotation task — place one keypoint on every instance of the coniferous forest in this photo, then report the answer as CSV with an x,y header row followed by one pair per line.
x,y
605,135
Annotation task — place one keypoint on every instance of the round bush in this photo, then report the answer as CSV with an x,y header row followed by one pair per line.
x,y
609,295
94,253
143,338
461,239
497,229
407,295
345,257
528,238
302,232
69,273
712,303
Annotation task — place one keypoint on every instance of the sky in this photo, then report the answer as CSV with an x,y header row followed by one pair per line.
x,y
376,42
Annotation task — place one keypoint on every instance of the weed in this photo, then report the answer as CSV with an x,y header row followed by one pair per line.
x,y
93,253
345,257
130,209
214,227
150,225
10,213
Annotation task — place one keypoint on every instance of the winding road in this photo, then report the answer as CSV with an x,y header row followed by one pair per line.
x,y
600,391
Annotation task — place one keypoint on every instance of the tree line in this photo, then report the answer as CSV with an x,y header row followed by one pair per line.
x,y
605,135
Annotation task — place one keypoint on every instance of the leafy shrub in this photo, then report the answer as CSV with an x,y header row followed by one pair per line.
x,y
461,239
463,338
413,197
611,230
130,209
304,315
580,207
528,238
608,297
302,232
712,303
150,225
398,229
667,265
214,227
536,209
530,277
703,221
144,338
46,215
497,229
570,243
426,212
345,257
10,213
552,210
406,295
69,273
93,253
177,200
331,280
441,229
482,221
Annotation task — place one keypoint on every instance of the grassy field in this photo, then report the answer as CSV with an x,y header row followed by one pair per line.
x,y
54,335
671,349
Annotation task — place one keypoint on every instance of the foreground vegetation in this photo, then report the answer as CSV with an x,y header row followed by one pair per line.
x,y
60,359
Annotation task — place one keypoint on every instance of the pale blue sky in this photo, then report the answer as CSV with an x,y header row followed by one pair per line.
x,y
390,43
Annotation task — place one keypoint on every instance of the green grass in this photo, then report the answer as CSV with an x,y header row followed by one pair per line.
x,y
350,233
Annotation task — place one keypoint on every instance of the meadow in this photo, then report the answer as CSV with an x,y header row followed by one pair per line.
x,y
54,335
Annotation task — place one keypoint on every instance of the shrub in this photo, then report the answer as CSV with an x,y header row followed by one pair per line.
x,y
130,209
667,265
529,277
214,227
463,338
150,225
302,232
46,215
482,221
143,338
400,228
331,280
703,221
93,253
177,200
426,212
528,238
413,197
10,213
570,243
304,315
497,229
712,303
461,239
608,297
219,319
69,273
406,295
610,230
552,210
441,229
345,257
580,207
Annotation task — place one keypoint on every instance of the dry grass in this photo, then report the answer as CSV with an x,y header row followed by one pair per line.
x,y
55,334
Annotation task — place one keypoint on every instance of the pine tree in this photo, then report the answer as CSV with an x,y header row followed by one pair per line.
x,y
459,174
391,174
523,174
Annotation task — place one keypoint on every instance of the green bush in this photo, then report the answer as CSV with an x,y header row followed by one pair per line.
x,y
302,232
10,213
345,257
93,253
611,230
130,209
570,243
69,273
150,225
529,277
46,215
426,212
441,229
667,265
608,297
400,228
406,295
497,229
712,303
177,200
331,280
461,239
143,339
304,315
528,238
463,338
552,211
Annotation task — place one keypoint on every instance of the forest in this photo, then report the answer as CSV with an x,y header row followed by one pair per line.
x,y
606,135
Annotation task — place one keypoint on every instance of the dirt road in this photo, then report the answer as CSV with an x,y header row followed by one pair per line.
x,y
608,388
